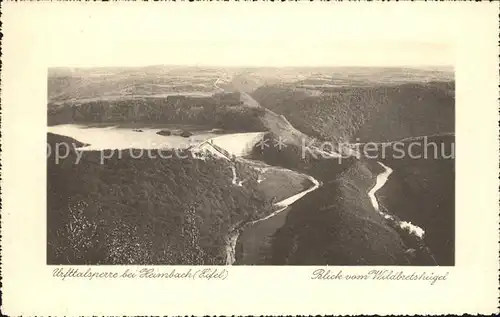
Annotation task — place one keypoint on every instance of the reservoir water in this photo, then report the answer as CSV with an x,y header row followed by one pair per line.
x,y
117,137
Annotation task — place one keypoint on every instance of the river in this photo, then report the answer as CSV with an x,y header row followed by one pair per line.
x,y
253,236
380,182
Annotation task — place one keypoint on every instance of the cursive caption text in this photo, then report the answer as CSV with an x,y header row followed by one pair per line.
x,y
379,275
141,273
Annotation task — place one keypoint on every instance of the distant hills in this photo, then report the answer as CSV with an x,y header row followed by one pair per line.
x,y
345,104
360,114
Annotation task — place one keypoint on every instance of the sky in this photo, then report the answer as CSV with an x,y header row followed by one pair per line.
x,y
245,34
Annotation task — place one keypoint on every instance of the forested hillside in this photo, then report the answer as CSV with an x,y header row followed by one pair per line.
x,y
145,210
219,111
366,113
422,190
296,157
337,225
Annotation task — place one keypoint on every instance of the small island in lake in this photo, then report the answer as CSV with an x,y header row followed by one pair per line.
x,y
164,132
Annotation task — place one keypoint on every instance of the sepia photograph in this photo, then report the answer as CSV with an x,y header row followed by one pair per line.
x,y
192,165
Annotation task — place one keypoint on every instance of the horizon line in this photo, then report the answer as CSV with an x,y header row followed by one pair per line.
x,y
196,65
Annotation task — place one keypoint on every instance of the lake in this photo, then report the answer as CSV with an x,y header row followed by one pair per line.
x,y
125,136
